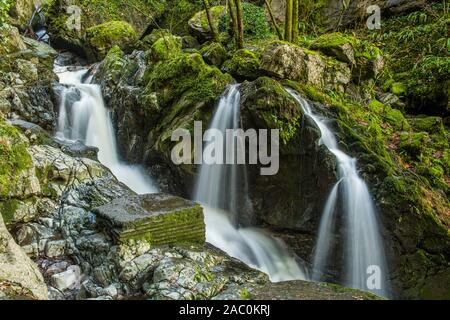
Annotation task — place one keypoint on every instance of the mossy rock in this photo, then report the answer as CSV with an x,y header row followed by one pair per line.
x,y
267,105
365,58
103,37
214,54
14,159
244,64
165,48
11,40
158,219
428,124
199,25
396,118
413,143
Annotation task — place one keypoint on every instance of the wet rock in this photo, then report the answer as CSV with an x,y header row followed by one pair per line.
x,y
67,280
156,218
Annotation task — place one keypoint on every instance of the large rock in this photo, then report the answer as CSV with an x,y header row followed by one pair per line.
x,y
307,171
103,37
287,61
199,26
365,59
157,218
19,276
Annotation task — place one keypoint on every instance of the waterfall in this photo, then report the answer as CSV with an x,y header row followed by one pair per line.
x,y
222,190
83,116
363,247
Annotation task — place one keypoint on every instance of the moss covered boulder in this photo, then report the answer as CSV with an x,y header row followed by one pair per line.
x,y
287,61
244,64
199,26
214,53
165,48
159,219
365,59
103,37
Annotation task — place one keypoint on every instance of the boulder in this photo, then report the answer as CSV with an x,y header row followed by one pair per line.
x,y
287,61
19,276
157,218
307,171
244,64
103,37
199,26
214,54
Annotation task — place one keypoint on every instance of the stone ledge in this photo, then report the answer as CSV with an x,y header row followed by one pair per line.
x,y
159,219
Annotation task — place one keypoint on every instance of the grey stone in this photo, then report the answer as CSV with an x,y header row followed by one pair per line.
x,y
157,218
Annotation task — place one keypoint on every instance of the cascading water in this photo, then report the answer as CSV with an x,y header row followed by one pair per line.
x,y
83,116
363,245
222,190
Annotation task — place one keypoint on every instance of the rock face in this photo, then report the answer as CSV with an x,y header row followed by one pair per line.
x,y
160,219
287,61
307,171
27,77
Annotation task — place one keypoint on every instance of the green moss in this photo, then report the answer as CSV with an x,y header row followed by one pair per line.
x,y
14,158
8,209
214,53
395,118
244,64
428,124
165,48
398,88
107,35
245,294
413,143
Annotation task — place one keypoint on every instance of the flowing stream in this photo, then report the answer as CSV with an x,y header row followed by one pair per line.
x,y
84,117
363,247
222,189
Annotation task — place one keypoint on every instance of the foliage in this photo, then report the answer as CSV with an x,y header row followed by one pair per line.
x,y
255,22
5,5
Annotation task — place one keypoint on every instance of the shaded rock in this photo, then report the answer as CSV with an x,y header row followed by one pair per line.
x,y
199,26
156,218
214,54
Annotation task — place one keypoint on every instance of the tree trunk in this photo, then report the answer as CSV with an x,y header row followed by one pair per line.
x,y
240,23
212,26
295,21
288,23
234,22
274,22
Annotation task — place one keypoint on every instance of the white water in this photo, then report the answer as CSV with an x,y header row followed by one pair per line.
x,y
363,244
222,191
88,120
